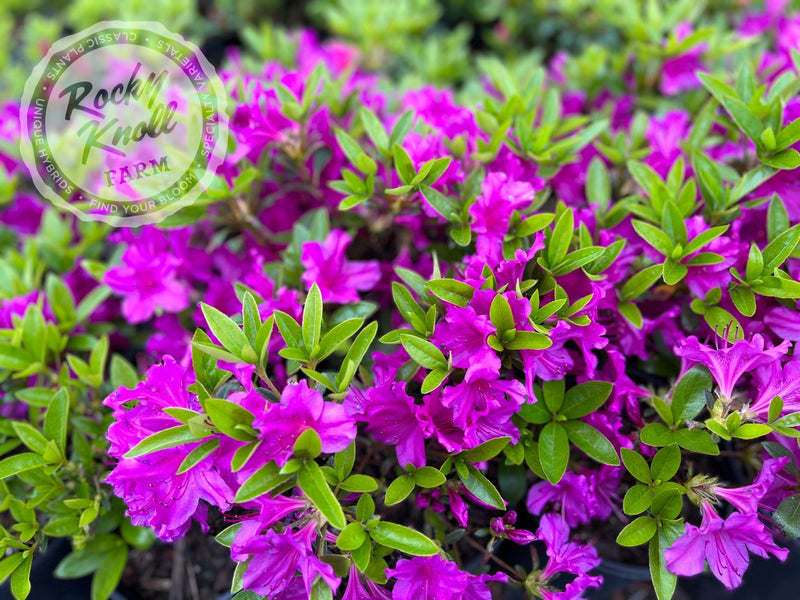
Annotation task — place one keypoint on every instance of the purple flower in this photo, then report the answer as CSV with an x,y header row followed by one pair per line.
x,y
148,278
492,212
785,322
393,418
472,399
302,408
280,561
504,527
566,557
427,578
680,72
568,496
724,544
148,484
355,589
747,499
433,578
729,363
665,136
339,279
464,334
776,380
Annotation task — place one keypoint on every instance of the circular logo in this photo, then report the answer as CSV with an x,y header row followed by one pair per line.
x,y
124,123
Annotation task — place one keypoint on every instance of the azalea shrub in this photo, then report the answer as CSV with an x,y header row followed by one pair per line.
x,y
411,328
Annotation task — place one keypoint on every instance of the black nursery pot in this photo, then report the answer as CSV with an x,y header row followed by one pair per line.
x,y
46,587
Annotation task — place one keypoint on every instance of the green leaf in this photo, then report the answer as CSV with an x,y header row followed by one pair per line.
x,y
30,436
56,419
591,441
259,483
251,321
529,340
553,392
354,355
560,238
777,218
403,539
9,564
344,460
21,578
289,329
423,352
20,463
751,431
228,417
91,301
632,314
636,465
553,451
167,438
689,396
637,499
666,463
122,373
673,272
654,236
583,399
374,129
446,206
598,186
664,582
429,477
109,572
312,318
482,488
312,482
336,336
351,537
779,249
487,450
743,299
452,291
667,504
640,282
359,483
637,532
60,299
307,444
696,440
227,332
788,159
399,490
403,165
365,508
433,380
409,308
788,516
704,238
401,128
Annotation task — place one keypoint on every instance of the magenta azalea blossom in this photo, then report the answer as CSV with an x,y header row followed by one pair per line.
x,y
569,496
280,561
155,495
433,578
723,543
148,278
748,498
339,279
566,556
729,363
302,408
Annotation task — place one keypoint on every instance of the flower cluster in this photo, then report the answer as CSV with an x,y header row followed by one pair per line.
x,y
421,331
